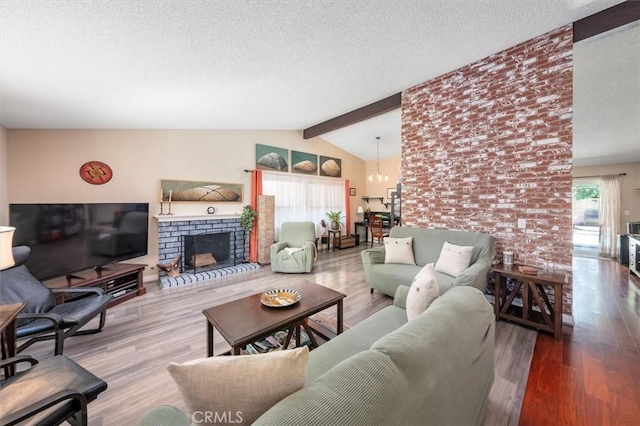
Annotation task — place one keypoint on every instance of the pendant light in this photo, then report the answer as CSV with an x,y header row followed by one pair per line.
x,y
378,173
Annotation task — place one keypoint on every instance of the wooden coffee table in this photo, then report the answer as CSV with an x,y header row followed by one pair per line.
x,y
246,320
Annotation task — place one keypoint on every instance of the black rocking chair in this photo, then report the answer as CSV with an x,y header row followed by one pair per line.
x,y
42,319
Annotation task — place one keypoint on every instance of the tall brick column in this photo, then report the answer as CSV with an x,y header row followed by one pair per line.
x,y
491,143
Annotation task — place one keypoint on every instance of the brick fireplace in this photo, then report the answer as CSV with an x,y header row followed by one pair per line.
x,y
218,235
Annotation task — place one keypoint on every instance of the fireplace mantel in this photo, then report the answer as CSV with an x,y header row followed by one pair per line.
x,y
183,218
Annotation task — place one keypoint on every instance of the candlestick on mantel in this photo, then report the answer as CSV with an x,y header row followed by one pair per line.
x,y
170,194
161,195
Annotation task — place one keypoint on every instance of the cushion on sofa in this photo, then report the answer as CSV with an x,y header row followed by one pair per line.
x,y
423,291
399,250
427,243
243,386
454,259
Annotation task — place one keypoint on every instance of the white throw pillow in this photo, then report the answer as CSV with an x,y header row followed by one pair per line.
x,y
241,387
399,250
454,259
424,290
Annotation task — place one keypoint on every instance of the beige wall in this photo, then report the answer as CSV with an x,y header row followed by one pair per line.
x,y
629,184
390,166
44,164
4,204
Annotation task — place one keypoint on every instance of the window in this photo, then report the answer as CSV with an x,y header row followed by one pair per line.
x,y
586,216
303,198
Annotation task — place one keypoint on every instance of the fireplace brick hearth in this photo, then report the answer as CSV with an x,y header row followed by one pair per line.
x,y
171,233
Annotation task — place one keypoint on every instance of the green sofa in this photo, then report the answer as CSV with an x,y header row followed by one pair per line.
x,y
437,369
427,245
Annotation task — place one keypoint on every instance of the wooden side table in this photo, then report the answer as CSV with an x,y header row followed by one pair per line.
x,y
331,235
8,317
548,316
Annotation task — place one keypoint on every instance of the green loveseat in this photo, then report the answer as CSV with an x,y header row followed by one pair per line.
x,y
427,245
436,369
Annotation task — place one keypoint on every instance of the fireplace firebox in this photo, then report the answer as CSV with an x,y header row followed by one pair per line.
x,y
205,252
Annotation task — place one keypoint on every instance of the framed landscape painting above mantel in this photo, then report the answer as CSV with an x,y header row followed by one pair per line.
x,y
201,191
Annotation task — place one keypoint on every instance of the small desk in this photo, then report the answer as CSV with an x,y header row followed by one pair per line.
x,y
357,225
549,315
8,315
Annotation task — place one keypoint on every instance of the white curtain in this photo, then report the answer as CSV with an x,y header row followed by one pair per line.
x,y
303,198
609,215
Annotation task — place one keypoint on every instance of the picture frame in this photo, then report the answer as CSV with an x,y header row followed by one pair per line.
x,y
201,191
352,192
330,166
390,191
304,163
272,158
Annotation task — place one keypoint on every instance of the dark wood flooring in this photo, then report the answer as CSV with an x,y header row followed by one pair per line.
x,y
592,376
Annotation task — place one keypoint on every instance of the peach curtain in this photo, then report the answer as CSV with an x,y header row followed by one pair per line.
x,y
256,190
347,207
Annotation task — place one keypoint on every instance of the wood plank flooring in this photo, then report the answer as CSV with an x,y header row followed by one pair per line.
x,y
592,376
144,334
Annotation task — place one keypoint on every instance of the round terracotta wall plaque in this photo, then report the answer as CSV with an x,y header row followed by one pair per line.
x,y
96,172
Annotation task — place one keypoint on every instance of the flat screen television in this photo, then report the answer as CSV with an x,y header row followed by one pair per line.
x,y
67,238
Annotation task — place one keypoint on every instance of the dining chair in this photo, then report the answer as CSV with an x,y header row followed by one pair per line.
x,y
375,223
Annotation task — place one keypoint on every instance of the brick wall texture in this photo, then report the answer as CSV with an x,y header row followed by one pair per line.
x,y
491,143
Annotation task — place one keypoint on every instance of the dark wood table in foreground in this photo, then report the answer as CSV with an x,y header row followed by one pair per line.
x,y
247,320
548,316
8,315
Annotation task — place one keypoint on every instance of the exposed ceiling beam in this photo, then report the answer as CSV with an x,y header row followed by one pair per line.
x,y
368,111
608,19
614,17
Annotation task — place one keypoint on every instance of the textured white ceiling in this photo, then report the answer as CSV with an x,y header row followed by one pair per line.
x,y
242,64
606,120
360,139
606,98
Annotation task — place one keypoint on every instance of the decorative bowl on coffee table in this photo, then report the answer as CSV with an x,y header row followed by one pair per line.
x,y
280,298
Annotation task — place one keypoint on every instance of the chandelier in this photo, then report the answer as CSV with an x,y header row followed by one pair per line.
x,y
378,173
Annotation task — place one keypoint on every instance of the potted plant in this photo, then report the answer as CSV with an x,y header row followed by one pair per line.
x,y
247,220
323,224
335,218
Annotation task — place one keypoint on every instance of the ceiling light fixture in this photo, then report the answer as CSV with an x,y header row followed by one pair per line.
x,y
378,174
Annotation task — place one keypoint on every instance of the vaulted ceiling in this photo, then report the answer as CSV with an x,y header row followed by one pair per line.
x,y
244,64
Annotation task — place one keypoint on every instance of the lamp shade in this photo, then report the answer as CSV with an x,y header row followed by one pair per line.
x,y
6,252
360,210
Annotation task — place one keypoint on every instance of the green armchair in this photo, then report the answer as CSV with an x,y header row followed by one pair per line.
x,y
295,253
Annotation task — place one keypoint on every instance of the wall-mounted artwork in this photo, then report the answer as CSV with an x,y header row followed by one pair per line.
x,y
96,172
182,190
272,158
304,163
330,166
